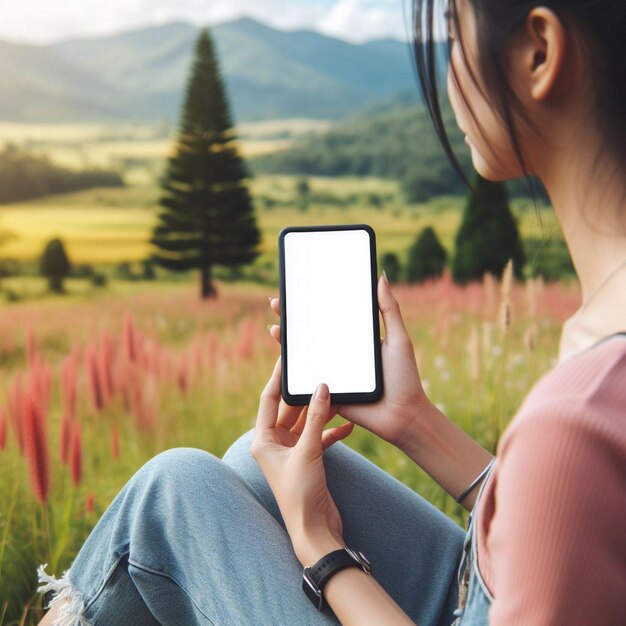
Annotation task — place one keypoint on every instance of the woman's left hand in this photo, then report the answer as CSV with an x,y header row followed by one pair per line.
x,y
288,446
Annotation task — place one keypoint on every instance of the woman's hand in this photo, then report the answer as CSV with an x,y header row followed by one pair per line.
x,y
288,445
398,412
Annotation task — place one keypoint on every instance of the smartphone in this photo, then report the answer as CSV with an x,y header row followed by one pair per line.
x,y
330,330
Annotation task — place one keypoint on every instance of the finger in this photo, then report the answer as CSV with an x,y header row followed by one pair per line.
x,y
275,305
394,325
269,401
287,415
316,418
298,426
333,435
275,332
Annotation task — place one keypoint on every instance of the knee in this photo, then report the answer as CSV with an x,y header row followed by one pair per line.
x,y
179,470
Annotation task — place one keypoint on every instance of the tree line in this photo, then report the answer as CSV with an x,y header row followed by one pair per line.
x,y
25,176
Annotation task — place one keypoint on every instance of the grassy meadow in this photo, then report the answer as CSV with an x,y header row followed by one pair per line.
x,y
94,383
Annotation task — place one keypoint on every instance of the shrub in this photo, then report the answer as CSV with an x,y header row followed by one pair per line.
x,y
98,279
427,257
148,271
391,266
55,265
123,271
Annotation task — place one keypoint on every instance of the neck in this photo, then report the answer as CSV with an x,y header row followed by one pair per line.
x,y
588,195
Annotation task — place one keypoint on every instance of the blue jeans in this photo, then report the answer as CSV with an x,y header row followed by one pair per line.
x,y
476,599
192,539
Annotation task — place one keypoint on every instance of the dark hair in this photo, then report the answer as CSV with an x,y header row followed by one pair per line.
x,y
601,22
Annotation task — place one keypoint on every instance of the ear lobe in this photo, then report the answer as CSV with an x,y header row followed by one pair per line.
x,y
548,41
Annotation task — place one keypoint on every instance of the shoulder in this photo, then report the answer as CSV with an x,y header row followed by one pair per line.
x,y
585,394
592,373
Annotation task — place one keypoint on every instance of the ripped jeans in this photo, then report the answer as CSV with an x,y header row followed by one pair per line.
x,y
192,539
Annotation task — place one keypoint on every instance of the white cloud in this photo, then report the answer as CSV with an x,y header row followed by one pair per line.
x,y
40,21
361,20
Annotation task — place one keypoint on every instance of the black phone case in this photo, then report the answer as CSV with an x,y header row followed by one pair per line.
x,y
336,398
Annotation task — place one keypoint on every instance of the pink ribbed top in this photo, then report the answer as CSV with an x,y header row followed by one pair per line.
x,y
551,522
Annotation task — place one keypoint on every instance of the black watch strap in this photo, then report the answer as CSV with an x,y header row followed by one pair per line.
x,y
316,576
329,565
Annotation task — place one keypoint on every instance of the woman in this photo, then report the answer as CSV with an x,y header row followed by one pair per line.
x,y
192,539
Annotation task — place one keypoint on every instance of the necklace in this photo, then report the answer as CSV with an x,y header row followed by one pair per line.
x,y
604,282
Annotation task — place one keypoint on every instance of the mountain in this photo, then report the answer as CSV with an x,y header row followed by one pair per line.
x,y
140,75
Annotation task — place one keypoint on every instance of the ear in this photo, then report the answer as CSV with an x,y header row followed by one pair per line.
x,y
544,52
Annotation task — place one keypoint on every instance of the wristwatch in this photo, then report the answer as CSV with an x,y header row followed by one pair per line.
x,y
316,576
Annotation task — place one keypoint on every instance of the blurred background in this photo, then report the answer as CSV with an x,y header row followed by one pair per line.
x,y
150,152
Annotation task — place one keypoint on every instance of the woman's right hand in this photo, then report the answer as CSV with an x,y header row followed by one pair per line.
x,y
396,416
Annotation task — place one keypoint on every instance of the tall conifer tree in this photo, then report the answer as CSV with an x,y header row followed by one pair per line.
x,y
208,217
488,236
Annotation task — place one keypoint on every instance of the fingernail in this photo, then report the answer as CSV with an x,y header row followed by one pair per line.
x,y
385,277
322,392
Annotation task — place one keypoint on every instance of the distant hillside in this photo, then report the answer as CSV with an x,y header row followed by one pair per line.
x,y
24,176
386,141
140,75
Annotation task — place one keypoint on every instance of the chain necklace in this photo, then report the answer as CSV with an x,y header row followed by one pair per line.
x,y
604,282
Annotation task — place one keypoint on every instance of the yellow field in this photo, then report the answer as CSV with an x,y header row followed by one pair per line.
x,y
112,225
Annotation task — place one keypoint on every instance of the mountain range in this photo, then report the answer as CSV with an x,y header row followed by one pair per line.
x,y
141,75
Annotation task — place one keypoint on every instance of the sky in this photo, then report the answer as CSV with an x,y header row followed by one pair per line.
x,y
45,21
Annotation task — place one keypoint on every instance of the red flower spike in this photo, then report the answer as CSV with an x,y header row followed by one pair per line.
x,y
76,454
36,448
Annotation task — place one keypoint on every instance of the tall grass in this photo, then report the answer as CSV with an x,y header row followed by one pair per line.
x,y
89,391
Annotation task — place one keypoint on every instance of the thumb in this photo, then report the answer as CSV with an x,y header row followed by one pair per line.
x,y
390,309
316,418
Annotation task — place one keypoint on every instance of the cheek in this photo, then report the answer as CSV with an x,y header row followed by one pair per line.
x,y
492,154
457,103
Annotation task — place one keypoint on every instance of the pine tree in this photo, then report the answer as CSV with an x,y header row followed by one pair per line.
x,y
427,257
208,217
488,236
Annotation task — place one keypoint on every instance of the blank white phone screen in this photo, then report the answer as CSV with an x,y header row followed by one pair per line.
x,y
330,336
